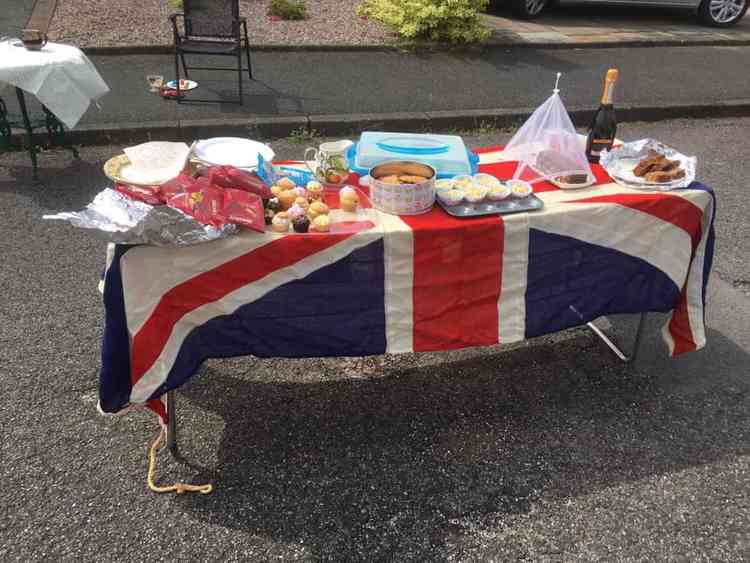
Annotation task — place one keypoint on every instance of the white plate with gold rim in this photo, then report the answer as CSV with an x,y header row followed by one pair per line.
x,y
119,169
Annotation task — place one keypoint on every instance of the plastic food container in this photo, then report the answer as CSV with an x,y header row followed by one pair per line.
x,y
405,197
447,154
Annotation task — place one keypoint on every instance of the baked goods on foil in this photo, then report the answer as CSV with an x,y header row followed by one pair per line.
x,y
649,165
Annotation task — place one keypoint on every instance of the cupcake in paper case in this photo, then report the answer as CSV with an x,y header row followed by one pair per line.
x,y
451,197
498,193
314,190
520,188
476,193
274,204
287,198
268,216
280,222
463,182
486,180
301,224
321,224
444,185
285,184
317,208
348,199
296,211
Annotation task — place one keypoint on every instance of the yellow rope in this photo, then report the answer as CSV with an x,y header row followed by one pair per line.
x,y
178,488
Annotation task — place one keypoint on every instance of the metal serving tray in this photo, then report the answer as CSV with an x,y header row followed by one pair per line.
x,y
505,207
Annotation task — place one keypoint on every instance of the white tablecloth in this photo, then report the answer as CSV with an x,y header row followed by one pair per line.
x,y
60,76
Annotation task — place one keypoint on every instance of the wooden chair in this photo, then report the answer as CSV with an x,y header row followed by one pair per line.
x,y
210,27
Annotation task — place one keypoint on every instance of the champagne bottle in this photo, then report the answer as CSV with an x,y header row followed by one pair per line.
x,y
604,125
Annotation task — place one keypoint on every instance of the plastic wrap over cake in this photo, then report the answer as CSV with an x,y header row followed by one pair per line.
x,y
547,146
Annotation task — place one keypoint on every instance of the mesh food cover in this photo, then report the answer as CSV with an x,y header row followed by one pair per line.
x,y
547,147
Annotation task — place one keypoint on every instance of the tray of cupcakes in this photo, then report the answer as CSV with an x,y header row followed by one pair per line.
x,y
483,194
315,209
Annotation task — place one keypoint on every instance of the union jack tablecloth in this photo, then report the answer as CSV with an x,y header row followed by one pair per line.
x,y
422,283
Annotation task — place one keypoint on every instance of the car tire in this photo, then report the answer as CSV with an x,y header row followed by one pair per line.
x,y
713,16
529,9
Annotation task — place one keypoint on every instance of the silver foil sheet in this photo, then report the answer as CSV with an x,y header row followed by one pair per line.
x,y
620,162
117,218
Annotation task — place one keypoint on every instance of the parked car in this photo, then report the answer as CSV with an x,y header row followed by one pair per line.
x,y
719,13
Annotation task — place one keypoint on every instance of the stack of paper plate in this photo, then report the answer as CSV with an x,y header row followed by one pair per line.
x,y
148,164
233,151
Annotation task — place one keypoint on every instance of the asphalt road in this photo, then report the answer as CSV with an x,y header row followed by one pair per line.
x,y
315,83
548,450
14,15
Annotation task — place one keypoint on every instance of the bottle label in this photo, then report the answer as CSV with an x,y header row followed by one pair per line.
x,y
609,85
598,145
609,90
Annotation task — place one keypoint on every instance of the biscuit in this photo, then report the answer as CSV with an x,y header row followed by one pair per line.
x,y
393,179
412,179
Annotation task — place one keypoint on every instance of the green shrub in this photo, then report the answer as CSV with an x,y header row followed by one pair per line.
x,y
455,21
175,4
287,9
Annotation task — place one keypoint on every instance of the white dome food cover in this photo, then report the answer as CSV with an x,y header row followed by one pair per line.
x,y
547,145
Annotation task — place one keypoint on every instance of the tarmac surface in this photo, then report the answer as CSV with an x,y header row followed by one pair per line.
x,y
14,15
549,450
313,85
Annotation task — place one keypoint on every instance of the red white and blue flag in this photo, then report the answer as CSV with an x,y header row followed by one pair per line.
x,y
411,284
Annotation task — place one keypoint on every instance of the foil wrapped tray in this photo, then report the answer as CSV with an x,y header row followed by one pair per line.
x,y
620,162
119,219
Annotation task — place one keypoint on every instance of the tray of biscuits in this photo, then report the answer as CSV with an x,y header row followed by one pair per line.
x,y
649,165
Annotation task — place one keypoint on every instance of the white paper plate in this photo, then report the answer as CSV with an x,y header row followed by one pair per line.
x,y
234,151
186,85
565,186
119,169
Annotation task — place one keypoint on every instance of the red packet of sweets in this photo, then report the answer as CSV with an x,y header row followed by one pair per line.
x,y
244,209
185,202
231,177
208,208
205,205
176,185
146,194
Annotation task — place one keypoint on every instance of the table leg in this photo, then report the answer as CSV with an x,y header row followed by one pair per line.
x,y
5,130
172,424
56,132
29,131
628,359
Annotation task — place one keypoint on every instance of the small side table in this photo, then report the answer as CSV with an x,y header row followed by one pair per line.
x,y
55,130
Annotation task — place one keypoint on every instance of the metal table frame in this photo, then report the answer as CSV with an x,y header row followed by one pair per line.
x,y
55,130
629,358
